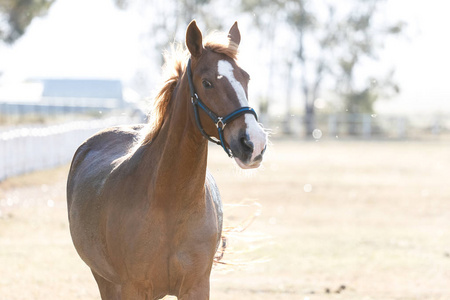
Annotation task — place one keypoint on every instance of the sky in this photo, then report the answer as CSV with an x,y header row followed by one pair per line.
x,y
421,59
72,41
104,42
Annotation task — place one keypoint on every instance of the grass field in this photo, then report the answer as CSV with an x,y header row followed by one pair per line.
x,y
339,220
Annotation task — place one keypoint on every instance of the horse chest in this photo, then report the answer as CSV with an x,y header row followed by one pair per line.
x,y
171,244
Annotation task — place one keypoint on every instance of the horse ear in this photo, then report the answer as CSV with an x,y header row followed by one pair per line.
x,y
194,39
234,34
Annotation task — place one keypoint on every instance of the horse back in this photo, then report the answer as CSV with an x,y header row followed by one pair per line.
x,y
95,159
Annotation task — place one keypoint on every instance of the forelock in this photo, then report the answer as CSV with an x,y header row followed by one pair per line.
x,y
221,43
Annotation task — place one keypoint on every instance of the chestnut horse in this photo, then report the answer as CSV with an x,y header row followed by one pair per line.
x,y
144,213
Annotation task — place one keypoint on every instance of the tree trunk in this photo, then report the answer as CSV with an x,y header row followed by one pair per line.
x,y
309,120
287,121
352,119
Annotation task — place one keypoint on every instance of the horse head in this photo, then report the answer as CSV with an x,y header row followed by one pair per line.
x,y
223,114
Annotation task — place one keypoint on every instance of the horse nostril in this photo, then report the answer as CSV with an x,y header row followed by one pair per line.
x,y
247,144
264,150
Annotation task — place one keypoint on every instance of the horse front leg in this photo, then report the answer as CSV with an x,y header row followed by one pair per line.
x,y
131,292
108,290
198,292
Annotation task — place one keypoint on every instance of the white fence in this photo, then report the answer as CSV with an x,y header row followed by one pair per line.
x,y
35,147
367,126
26,149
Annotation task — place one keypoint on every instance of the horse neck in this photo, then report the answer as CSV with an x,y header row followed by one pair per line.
x,y
180,150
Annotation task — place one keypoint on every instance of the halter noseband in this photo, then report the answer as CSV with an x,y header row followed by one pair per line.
x,y
220,122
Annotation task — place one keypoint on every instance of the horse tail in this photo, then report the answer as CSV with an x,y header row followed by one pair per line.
x,y
221,250
236,232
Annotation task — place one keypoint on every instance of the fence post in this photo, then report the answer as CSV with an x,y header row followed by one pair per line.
x,y
436,128
367,126
401,127
332,125
2,158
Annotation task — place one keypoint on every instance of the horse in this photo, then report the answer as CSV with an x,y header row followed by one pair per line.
x,y
145,214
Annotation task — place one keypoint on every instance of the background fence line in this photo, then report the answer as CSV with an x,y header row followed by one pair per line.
x,y
30,147
366,126
37,147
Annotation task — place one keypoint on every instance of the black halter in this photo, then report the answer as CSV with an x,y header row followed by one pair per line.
x,y
220,122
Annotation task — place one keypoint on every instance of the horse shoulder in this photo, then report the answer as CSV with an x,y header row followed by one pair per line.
x,y
94,159
212,193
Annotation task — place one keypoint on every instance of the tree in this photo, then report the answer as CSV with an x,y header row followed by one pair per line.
x,y
17,15
362,38
167,21
329,41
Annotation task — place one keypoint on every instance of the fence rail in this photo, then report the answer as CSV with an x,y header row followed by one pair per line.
x,y
26,148
30,148
365,126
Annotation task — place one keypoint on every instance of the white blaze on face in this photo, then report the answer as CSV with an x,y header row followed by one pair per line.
x,y
255,132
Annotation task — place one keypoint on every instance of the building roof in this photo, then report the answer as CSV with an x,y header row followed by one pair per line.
x,y
82,88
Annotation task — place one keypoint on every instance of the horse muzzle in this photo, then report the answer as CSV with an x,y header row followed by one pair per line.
x,y
250,144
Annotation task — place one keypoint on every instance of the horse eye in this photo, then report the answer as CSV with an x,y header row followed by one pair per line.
x,y
207,84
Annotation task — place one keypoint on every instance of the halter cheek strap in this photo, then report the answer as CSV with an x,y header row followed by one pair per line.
x,y
220,122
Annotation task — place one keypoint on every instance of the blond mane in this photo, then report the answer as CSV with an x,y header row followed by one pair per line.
x,y
174,66
220,43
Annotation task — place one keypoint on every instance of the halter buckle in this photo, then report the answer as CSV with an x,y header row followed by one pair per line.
x,y
221,123
194,96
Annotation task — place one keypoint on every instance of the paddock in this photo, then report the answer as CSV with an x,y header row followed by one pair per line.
x,y
338,220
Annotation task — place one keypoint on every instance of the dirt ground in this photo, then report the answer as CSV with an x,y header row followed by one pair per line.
x,y
337,220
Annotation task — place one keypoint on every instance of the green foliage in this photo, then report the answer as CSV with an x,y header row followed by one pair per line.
x,y
17,16
299,16
362,100
332,41
122,4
